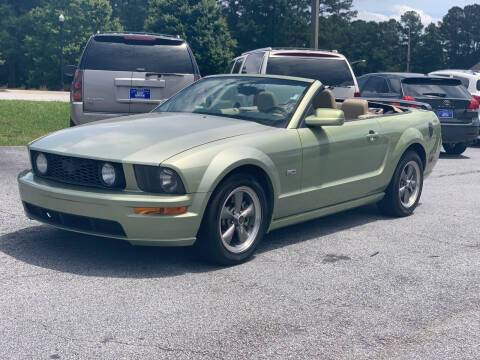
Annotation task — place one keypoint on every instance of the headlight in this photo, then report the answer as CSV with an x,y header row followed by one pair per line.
x,y
108,174
158,179
41,163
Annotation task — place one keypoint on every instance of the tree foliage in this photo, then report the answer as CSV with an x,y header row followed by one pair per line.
x,y
32,42
201,23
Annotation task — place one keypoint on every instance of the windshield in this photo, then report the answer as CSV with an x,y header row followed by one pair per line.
x,y
265,100
331,72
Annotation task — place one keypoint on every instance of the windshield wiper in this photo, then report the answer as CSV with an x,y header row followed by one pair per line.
x,y
435,94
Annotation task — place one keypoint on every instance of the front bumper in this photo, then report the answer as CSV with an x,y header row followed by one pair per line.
x,y
460,133
76,207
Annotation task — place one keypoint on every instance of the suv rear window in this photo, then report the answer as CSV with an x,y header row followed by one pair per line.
x,y
332,72
433,90
123,53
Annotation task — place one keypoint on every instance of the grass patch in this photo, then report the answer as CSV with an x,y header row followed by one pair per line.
x,y
23,121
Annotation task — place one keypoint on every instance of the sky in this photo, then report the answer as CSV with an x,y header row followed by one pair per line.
x,y
429,10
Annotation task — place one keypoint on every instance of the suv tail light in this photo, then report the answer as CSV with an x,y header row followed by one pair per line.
x,y
411,98
474,104
357,94
77,86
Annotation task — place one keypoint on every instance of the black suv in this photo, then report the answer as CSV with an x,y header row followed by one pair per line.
x,y
453,104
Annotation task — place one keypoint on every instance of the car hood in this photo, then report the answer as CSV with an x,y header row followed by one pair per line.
x,y
144,139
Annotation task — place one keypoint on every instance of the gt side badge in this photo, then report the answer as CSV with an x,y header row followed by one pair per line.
x,y
291,172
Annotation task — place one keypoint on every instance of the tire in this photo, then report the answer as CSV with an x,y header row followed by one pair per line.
x,y
237,195
406,183
456,149
72,124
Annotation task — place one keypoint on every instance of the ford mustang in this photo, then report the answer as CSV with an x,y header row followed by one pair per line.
x,y
227,160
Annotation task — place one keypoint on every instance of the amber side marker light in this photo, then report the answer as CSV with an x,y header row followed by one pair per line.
x,y
160,210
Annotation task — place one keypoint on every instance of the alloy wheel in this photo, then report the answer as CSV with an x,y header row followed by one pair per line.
x,y
409,188
240,219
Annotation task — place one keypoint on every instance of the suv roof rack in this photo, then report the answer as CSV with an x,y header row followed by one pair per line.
x,y
138,33
289,48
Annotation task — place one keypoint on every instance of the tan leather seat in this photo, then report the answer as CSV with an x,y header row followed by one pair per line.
x,y
266,101
353,108
324,99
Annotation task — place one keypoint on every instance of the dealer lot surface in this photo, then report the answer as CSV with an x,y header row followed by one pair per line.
x,y
354,285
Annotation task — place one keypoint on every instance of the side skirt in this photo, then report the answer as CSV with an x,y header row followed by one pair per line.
x,y
298,218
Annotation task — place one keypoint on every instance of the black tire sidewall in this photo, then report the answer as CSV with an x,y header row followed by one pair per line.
x,y
391,204
210,236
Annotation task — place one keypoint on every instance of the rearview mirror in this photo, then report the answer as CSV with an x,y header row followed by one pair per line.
x,y
69,70
325,117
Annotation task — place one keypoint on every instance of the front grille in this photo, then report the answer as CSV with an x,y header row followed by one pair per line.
x,y
78,171
75,222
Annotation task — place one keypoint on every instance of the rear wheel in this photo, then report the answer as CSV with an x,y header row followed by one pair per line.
x,y
404,191
234,222
456,149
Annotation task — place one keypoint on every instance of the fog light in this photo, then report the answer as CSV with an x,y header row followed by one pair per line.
x,y
108,174
41,163
161,211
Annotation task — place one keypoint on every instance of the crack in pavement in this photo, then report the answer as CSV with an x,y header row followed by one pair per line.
x,y
107,340
458,174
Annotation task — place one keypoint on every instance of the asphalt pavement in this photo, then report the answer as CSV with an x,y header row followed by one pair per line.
x,y
355,285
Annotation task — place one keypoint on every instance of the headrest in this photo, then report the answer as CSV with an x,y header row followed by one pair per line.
x,y
265,101
324,99
353,108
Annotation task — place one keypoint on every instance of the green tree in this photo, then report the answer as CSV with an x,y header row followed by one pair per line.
x,y
412,28
340,8
377,43
45,40
431,54
256,24
13,23
131,13
201,23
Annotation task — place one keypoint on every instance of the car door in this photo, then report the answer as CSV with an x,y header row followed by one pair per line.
x,y
341,163
253,63
376,86
238,65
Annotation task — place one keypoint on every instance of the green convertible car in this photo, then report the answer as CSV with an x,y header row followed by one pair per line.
x,y
228,159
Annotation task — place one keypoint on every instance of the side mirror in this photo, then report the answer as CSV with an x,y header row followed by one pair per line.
x,y
325,117
69,70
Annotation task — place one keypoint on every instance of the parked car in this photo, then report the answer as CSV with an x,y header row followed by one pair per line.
x,y
469,78
128,73
228,159
455,107
329,67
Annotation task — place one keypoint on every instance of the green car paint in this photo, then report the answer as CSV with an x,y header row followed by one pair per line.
x,y
311,170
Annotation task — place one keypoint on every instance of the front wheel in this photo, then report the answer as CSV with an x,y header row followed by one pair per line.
x,y
456,149
234,222
404,191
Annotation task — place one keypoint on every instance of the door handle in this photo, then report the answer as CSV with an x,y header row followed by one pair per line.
x,y
372,135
